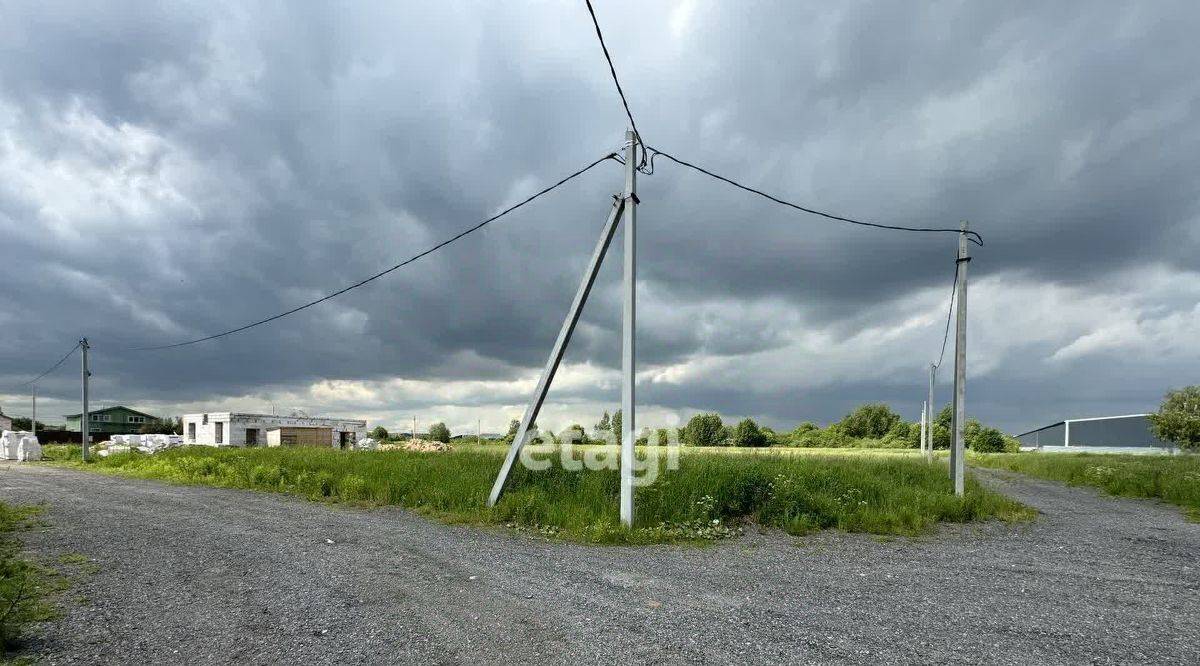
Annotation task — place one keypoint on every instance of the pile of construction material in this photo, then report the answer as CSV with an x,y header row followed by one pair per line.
x,y
139,443
366,444
422,445
19,445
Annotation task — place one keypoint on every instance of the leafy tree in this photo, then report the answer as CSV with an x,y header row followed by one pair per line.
x,y
617,424
438,432
1178,418
807,426
512,431
970,432
26,423
167,426
747,433
664,436
872,420
775,438
576,434
379,433
605,423
941,436
945,416
704,430
904,435
988,440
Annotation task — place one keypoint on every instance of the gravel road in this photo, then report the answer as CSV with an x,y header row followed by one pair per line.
x,y
193,575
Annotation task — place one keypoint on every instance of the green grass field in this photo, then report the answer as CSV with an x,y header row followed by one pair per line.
x,y
708,496
1175,479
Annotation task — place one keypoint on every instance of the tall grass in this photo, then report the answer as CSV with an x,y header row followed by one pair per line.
x,y
702,499
1175,479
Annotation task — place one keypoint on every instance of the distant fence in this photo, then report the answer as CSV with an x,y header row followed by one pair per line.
x,y
66,437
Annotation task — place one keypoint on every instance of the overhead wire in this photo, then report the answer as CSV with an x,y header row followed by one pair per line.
x,y
972,236
620,91
53,367
382,273
949,315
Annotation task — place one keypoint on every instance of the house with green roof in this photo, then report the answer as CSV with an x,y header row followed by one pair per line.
x,y
111,421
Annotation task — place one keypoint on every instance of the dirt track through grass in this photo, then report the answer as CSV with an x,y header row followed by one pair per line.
x,y
1174,479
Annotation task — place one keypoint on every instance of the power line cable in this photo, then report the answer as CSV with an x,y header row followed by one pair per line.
x,y
949,314
972,236
625,102
380,274
53,367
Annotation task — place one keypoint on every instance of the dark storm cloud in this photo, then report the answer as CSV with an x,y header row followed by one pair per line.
x,y
298,148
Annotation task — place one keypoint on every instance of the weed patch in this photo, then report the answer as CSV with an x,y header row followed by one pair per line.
x,y
707,498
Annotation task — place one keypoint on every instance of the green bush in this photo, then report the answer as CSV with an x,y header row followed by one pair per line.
x,y
704,430
903,436
747,433
379,433
1178,418
832,437
872,420
438,432
987,440
941,436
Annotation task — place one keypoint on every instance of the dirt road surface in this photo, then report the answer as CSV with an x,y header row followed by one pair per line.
x,y
190,575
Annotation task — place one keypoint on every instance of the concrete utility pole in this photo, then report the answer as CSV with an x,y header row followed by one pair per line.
x,y
414,435
478,431
960,364
85,418
628,329
33,422
924,414
929,413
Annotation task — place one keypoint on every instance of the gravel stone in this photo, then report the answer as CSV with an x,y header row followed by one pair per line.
x,y
194,575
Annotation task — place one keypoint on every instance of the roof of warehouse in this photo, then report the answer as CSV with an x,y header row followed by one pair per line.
x,y
1092,418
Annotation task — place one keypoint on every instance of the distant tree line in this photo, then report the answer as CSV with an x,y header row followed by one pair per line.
x,y
870,425
873,425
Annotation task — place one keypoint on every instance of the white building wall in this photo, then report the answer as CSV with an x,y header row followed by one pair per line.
x,y
236,424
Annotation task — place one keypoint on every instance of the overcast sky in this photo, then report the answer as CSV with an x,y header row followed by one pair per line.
x,y
172,170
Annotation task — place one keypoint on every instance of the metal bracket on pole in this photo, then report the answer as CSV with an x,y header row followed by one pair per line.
x,y
960,365
560,346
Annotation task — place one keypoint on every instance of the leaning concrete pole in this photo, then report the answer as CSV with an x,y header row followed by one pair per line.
x,y
560,347
628,355
33,422
960,364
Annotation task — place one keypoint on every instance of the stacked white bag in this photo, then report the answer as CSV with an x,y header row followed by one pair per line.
x,y
19,445
29,448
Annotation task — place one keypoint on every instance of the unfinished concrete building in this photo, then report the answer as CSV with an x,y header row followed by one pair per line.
x,y
239,429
